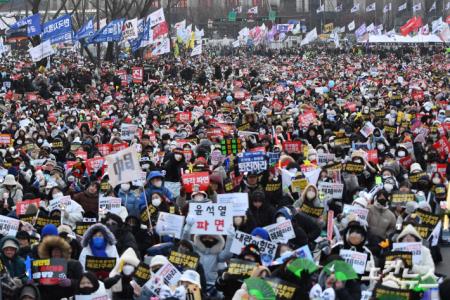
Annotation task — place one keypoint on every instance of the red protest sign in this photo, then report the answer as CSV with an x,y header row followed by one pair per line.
x,y
184,117
119,147
440,168
214,133
31,97
306,119
123,77
82,154
5,139
406,161
372,156
104,149
292,147
239,95
277,105
442,146
95,164
137,74
200,180
21,206
107,123
417,95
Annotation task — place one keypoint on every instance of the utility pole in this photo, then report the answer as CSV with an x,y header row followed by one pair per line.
x,y
98,28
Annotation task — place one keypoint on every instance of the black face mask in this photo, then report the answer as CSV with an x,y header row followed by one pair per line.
x,y
382,201
112,227
86,291
209,243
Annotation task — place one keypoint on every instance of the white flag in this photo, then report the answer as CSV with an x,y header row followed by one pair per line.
x,y
351,26
403,6
387,7
417,7
433,7
198,33
162,47
370,28
355,8
41,51
157,17
130,29
437,25
447,6
391,33
180,25
310,36
253,10
321,9
371,7
236,44
197,50
123,166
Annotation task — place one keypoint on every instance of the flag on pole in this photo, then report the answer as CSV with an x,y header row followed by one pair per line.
x,y
361,30
447,6
417,7
424,30
433,7
253,10
387,8
355,8
321,9
351,26
391,33
371,7
403,6
197,50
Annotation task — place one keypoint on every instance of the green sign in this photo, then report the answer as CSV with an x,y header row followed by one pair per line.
x,y
272,15
232,16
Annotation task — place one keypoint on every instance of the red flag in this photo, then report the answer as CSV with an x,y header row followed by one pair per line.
x,y
447,20
408,27
160,29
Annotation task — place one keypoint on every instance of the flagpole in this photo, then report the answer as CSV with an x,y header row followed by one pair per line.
x,y
98,28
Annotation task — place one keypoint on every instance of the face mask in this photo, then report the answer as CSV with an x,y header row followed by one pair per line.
x,y
145,166
157,184
22,167
199,198
58,195
156,202
388,187
311,195
178,157
436,180
98,242
281,219
112,227
382,202
128,270
381,147
401,153
125,187
85,291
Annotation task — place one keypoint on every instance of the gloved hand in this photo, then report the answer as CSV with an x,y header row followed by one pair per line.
x,y
65,282
190,220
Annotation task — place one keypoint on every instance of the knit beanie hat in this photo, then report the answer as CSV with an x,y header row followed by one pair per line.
x,y
261,232
49,229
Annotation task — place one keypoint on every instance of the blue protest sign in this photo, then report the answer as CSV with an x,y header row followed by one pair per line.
x,y
58,30
252,162
33,24
110,33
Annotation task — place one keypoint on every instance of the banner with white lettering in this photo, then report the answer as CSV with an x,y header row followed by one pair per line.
x,y
267,249
414,248
281,232
123,166
252,162
110,204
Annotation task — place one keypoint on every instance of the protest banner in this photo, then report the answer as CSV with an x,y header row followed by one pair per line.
x,y
238,200
385,292
184,117
8,226
184,260
299,185
169,224
81,227
357,260
49,271
292,147
137,74
372,156
252,162
352,167
93,165
324,158
314,212
423,230
414,248
211,218
414,178
230,146
356,210
427,218
122,74
128,131
199,180
266,248
306,119
104,149
280,232
240,269
334,190
41,220
367,129
21,206
342,141
5,139
283,290
274,157
110,204
400,199
100,266
123,166
406,161
144,214
167,274
442,146
406,257
141,274
60,203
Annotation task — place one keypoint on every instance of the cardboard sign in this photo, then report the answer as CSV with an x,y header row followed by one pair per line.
x,y
414,178
281,232
292,147
123,166
170,224
100,266
211,218
427,218
414,248
356,210
142,274
186,261
312,211
334,190
137,74
167,274
239,201
21,206
357,260
405,256
240,269
352,167
8,226
110,204
81,227
230,146
49,271
200,180
383,291
400,199
266,248
324,158
252,162
128,131
283,290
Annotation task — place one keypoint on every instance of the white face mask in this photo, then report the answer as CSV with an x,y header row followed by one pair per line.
x,y
156,202
401,153
157,184
58,195
388,187
381,147
310,195
436,180
281,219
125,187
199,198
178,157
293,171
128,270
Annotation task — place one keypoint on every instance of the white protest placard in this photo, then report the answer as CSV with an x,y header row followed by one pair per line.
x,y
59,203
356,210
110,204
211,218
169,224
335,190
130,29
141,180
242,239
95,296
8,226
167,274
128,131
281,232
414,248
123,166
304,252
358,260
238,200
41,51
367,129
324,158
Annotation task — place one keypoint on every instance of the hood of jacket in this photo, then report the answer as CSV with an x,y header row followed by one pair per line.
x,y
10,238
409,229
109,236
213,250
50,242
303,196
128,257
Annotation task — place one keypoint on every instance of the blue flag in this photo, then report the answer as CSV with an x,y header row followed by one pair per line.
x,y
58,30
86,30
136,43
33,24
110,33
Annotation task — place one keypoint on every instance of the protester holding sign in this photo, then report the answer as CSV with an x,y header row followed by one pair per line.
x,y
155,183
15,266
90,286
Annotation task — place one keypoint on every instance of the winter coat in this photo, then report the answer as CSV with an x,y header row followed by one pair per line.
x,y
263,215
101,291
88,201
72,214
110,250
308,224
128,257
173,168
314,203
130,200
426,264
16,265
15,194
381,221
125,239
150,190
